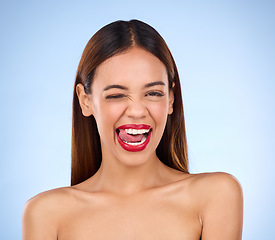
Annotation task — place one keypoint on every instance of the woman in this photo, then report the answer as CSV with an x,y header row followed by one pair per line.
x,y
130,175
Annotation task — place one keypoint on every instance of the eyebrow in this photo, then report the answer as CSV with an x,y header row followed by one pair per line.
x,y
115,86
151,84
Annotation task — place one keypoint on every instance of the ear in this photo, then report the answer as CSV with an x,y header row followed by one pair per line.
x,y
171,99
84,100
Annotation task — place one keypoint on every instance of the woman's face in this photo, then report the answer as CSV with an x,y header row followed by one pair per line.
x,y
130,101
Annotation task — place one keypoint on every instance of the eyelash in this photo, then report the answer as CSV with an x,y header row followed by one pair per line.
x,y
154,94
150,94
115,96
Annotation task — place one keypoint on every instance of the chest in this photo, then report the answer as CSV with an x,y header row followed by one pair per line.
x,y
139,218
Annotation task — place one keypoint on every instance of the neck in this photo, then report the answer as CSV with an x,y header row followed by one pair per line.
x,y
116,177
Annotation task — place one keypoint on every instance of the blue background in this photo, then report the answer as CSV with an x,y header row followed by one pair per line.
x,y
224,51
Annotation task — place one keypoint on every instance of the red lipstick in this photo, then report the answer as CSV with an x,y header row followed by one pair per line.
x,y
135,126
138,147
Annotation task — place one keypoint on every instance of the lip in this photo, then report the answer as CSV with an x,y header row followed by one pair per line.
x,y
135,126
132,148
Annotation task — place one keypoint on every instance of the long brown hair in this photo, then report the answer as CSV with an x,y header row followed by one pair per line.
x,y
112,39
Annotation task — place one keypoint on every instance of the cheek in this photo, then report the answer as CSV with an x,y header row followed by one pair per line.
x,y
106,115
159,112
114,112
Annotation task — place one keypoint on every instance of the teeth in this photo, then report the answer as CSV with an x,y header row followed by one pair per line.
x,y
136,131
136,143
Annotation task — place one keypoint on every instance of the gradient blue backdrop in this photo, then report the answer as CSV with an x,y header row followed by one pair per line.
x,y
224,51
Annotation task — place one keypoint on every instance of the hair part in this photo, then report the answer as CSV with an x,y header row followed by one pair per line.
x,y
112,39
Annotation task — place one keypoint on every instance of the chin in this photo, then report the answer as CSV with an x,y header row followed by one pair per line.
x,y
136,159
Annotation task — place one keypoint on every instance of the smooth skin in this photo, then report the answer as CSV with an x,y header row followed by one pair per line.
x,y
134,195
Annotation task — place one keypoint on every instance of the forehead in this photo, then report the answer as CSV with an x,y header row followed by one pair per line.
x,y
135,67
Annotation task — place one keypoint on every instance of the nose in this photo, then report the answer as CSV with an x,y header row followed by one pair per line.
x,y
136,109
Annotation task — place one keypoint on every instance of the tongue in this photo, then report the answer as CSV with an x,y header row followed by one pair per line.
x,y
129,138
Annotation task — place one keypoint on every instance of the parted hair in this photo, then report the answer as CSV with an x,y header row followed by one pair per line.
x,y
112,39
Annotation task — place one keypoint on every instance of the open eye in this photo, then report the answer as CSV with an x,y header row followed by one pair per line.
x,y
154,94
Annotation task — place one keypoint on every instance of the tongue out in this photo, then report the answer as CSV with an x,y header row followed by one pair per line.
x,y
128,137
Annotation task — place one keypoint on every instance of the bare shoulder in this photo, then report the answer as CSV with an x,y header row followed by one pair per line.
x,y
211,182
220,205
215,189
42,213
47,200
208,187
